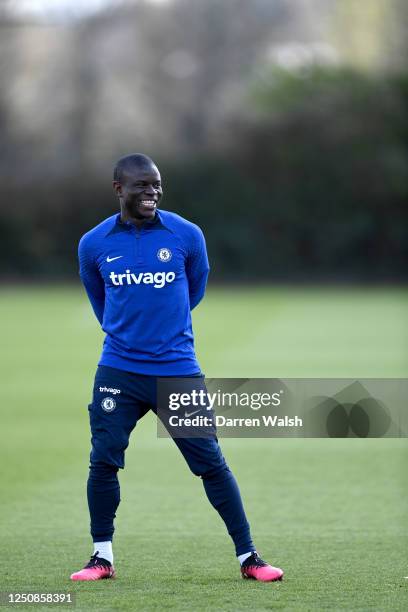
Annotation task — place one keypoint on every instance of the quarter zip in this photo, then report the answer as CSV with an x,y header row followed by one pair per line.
x,y
139,257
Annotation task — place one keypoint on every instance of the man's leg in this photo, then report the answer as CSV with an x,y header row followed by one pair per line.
x,y
205,459
114,412
103,493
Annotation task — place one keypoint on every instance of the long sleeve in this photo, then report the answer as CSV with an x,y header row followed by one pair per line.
x,y
197,268
91,279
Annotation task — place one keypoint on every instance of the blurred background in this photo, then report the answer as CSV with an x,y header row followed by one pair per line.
x,y
285,121
281,128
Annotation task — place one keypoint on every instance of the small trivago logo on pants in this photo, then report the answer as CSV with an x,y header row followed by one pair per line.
x,y
109,390
108,404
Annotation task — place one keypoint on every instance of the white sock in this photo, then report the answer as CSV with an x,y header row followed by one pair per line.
x,y
104,550
241,558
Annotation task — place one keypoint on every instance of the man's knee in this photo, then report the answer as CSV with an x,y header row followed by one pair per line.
x,y
218,473
203,456
210,467
108,452
103,472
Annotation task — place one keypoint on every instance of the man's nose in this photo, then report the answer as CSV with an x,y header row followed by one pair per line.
x,y
149,190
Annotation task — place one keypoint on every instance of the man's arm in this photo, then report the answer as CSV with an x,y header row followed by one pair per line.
x,y
91,279
197,268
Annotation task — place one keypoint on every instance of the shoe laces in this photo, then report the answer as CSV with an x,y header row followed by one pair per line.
x,y
95,561
254,561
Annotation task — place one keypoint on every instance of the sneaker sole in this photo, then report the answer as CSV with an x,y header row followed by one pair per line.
x,y
245,577
111,577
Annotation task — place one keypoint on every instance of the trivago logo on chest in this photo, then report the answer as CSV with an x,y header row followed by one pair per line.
x,y
158,279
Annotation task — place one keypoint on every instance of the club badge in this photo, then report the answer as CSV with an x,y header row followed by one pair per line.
x,y
164,255
108,404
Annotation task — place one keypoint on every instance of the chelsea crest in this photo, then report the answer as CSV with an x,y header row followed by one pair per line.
x,y
164,254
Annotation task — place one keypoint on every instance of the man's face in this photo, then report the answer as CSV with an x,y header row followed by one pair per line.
x,y
140,191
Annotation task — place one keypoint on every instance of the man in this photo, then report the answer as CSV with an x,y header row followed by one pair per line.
x,y
144,270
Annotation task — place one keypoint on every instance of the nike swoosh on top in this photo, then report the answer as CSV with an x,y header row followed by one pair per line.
x,y
109,259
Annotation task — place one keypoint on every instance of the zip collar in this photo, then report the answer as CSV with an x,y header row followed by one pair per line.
x,y
125,226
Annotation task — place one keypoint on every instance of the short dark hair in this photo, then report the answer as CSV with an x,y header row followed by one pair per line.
x,y
128,161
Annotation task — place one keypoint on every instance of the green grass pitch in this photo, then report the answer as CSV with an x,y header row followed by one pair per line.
x,y
332,513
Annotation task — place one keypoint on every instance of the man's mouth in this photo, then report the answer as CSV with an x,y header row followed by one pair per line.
x,y
147,204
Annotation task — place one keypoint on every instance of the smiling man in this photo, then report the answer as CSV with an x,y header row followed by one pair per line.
x,y
144,270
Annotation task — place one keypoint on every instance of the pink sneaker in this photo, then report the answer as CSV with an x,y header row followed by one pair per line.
x,y
96,569
256,569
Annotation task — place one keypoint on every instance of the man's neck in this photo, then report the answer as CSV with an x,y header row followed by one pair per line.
x,y
133,220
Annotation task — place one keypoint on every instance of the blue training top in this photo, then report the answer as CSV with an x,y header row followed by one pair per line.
x,y
142,284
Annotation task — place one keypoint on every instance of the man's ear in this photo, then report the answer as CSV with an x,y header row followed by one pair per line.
x,y
117,188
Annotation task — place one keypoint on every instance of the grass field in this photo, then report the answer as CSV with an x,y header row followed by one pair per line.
x,y
332,513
